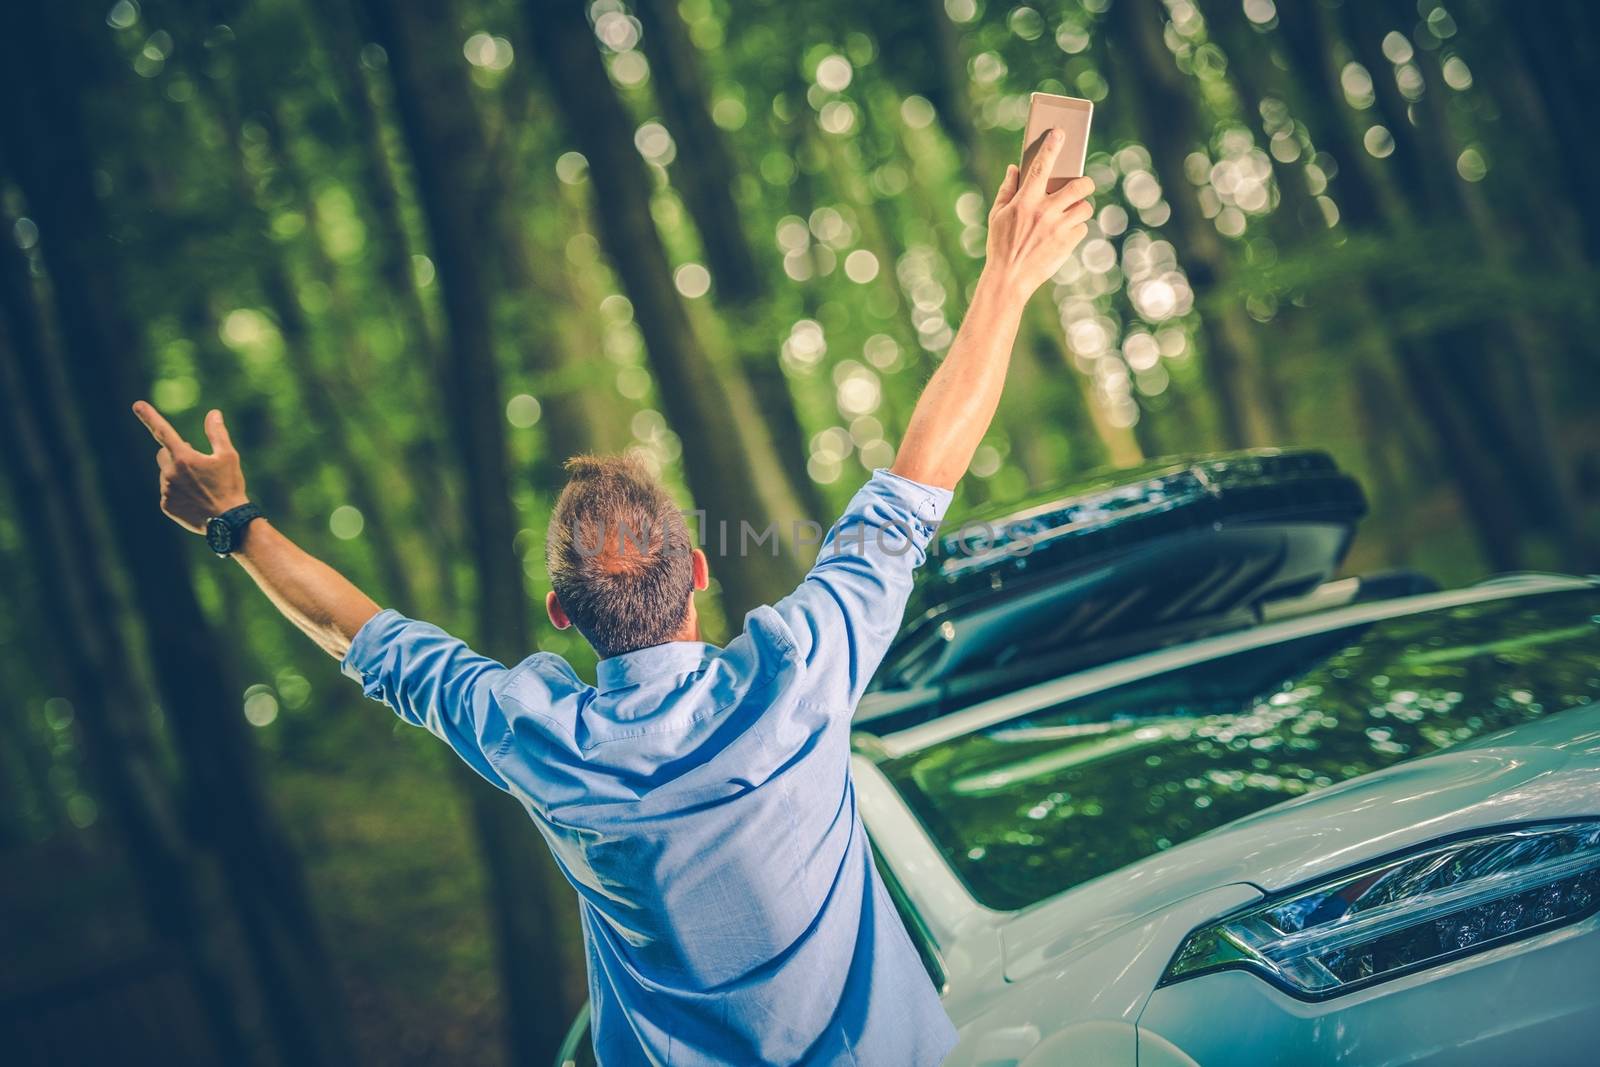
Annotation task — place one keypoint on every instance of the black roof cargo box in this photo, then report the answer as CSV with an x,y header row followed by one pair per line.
x,y
1124,552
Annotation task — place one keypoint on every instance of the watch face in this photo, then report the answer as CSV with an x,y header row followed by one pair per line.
x,y
219,536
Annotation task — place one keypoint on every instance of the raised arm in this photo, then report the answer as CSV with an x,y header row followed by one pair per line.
x,y
196,486
429,678
1031,234
849,608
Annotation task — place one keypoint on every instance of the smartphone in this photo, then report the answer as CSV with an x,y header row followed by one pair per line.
x,y
1046,112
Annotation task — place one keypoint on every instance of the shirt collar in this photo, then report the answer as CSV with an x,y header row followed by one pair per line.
x,y
671,660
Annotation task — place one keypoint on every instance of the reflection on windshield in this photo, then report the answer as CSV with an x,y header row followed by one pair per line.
x,y
1037,805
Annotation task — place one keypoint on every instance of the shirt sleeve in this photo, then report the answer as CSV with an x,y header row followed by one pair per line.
x,y
849,607
435,681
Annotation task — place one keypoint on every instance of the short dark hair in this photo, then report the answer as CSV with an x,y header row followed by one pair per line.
x,y
618,553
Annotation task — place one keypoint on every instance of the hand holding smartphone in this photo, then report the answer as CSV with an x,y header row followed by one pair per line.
x,y
1042,209
1070,115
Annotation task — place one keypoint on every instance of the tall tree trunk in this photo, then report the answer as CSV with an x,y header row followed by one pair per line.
x,y
575,420
78,607
739,477
45,136
1174,127
557,324
921,46
1560,53
812,155
533,908
1496,49
1531,344
708,176
387,232
29,806
1298,220
386,229
1427,183
708,179
1369,200
409,494
322,414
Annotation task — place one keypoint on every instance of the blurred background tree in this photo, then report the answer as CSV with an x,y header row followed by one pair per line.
x,y
422,251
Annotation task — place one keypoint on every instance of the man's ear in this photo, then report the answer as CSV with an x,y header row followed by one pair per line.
x,y
702,571
558,614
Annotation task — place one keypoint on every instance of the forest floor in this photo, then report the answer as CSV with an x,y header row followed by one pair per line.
x,y
392,863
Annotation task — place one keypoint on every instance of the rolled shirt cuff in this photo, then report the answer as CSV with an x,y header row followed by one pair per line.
x,y
363,662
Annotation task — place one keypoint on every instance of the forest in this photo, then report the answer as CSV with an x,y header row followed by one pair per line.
x,y
422,251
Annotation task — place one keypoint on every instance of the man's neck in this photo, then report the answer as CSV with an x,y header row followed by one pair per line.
x,y
690,630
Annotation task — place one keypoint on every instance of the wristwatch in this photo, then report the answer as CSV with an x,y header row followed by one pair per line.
x,y
225,532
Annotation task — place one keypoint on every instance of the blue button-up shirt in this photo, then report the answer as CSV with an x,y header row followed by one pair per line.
x,y
699,800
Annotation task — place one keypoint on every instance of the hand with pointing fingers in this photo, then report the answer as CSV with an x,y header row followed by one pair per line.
x,y
194,486
1032,231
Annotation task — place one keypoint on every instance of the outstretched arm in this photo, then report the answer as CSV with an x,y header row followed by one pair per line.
x,y
848,609
196,486
1031,234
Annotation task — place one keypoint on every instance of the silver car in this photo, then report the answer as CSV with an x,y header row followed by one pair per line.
x,y
1149,788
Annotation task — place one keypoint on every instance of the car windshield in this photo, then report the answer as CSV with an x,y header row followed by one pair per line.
x,y
1028,808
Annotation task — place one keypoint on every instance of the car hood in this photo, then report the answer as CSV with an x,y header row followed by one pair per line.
x,y
1538,770
1549,768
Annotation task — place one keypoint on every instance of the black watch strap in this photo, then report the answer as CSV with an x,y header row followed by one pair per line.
x,y
225,533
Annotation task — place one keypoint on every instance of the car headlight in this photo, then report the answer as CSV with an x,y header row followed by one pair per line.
x,y
1448,900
